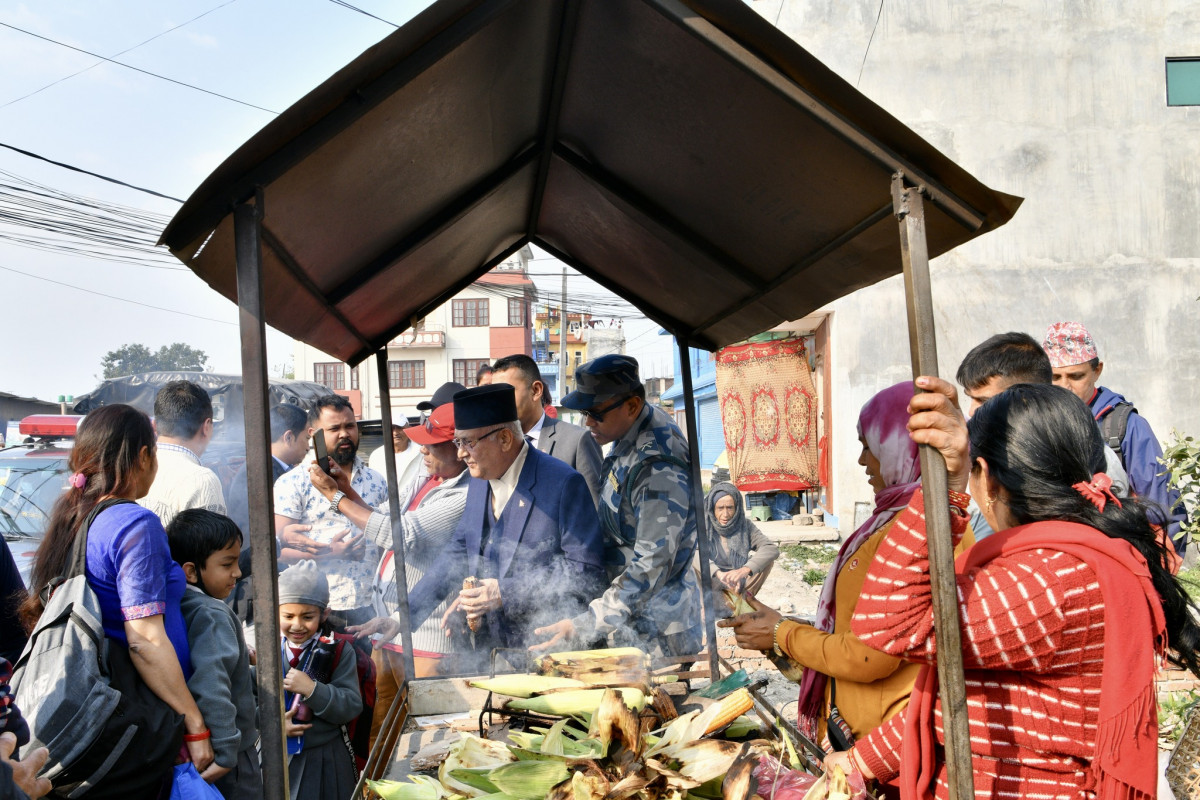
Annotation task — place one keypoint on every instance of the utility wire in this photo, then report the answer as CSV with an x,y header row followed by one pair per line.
x,y
87,172
123,52
344,4
136,69
878,14
114,297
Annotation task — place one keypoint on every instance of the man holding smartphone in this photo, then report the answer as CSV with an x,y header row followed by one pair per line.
x,y
310,526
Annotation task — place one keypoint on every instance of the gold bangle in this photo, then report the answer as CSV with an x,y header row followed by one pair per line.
x,y
775,638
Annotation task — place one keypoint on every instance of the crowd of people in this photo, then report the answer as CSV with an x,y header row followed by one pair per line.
x,y
519,532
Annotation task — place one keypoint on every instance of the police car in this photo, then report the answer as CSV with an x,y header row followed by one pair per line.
x,y
33,474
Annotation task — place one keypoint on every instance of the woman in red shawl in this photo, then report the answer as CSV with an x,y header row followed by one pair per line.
x,y
1066,611
867,686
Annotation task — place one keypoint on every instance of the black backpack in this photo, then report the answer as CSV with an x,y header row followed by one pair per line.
x,y
1113,425
108,734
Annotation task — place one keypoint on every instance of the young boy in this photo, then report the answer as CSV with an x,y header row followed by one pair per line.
x,y
321,765
207,545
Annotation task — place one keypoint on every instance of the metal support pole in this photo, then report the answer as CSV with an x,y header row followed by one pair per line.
x,y
401,577
693,437
562,340
910,212
247,219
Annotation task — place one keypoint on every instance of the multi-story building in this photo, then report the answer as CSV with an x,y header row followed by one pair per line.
x,y
486,321
547,344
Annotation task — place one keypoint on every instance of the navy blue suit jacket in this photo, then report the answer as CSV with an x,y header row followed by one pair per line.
x,y
549,558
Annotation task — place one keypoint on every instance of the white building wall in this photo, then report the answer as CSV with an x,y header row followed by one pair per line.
x,y
1063,104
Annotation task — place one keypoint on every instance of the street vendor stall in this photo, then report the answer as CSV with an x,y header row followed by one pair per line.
x,y
682,153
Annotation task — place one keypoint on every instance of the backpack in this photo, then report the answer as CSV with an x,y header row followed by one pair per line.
x,y
108,734
1113,425
357,731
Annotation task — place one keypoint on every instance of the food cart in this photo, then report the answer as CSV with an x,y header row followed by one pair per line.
x,y
684,154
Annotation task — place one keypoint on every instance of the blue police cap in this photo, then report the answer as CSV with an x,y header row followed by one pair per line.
x,y
603,379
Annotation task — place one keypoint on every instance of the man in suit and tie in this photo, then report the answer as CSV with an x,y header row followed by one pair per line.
x,y
554,437
527,534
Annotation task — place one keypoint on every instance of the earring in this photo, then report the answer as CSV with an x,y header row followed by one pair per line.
x,y
989,501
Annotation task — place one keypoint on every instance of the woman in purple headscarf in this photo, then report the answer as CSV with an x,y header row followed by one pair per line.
x,y
865,686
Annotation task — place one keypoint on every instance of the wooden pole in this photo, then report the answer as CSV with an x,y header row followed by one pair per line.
x,y
247,219
693,437
909,209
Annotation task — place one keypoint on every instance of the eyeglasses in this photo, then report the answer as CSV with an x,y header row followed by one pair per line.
x,y
464,444
598,416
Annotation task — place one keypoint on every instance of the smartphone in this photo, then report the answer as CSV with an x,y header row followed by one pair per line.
x,y
321,450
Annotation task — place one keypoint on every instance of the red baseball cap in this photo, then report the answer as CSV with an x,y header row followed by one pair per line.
x,y
437,428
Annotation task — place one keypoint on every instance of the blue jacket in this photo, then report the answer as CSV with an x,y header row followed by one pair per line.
x,y
1140,451
549,559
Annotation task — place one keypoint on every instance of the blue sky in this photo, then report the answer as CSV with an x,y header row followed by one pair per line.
x,y
161,136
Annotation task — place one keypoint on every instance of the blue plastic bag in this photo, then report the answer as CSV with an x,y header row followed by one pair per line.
x,y
188,785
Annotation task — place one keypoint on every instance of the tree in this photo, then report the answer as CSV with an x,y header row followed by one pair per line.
x,y
131,359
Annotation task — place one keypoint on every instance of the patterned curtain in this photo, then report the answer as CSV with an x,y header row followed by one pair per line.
x,y
769,412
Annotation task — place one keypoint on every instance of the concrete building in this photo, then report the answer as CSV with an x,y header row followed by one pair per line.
x,y
1066,105
486,321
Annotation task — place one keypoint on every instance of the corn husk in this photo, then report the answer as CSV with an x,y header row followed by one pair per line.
x,y
526,685
614,665
613,723
576,703
471,752
705,759
739,782
528,780
742,727
417,787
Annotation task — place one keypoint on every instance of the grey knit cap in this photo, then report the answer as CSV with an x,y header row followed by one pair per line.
x,y
304,582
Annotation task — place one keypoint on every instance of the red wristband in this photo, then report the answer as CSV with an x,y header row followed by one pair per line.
x,y
198,737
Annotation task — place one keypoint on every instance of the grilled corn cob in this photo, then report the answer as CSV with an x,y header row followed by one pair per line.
x,y
732,707
473,624
582,701
526,685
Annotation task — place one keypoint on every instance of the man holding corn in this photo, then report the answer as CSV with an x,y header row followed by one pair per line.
x,y
653,600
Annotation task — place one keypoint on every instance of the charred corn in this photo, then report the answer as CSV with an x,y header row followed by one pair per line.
x,y
663,705
473,624
582,701
732,707
526,685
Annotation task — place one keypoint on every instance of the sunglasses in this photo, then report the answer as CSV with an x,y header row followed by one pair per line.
x,y
598,415
466,444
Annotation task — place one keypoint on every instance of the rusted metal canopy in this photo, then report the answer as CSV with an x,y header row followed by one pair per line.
x,y
685,154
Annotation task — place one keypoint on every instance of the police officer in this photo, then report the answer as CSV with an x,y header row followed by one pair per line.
x,y
653,600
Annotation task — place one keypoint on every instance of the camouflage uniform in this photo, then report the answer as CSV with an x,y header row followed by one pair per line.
x,y
650,540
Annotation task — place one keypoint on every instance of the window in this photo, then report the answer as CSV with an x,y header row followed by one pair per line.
x,y
470,313
465,370
516,311
354,377
1183,81
406,374
330,374
578,357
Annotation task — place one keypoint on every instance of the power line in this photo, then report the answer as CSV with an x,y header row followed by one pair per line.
x,y
344,4
114,297
123,52
88,172
878,14
136,69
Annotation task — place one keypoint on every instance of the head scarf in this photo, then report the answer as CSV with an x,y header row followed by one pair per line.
x,y
729,546
883,425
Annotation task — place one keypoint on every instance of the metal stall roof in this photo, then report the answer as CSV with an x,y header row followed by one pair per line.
x,y
687,155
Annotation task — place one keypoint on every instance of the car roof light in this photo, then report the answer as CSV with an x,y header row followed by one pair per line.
x,y
61,425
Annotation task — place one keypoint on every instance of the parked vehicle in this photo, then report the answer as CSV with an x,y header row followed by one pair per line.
x,y
33,473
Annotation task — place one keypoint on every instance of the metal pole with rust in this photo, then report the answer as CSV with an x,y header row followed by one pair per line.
x,y
247,219
693,437
909,208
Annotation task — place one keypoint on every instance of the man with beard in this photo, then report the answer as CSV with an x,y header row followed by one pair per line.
x,y
310,526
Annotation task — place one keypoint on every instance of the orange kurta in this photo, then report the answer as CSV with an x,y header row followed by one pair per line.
x,y
871,686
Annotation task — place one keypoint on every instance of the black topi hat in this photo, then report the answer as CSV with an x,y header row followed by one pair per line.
x,y
494,404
